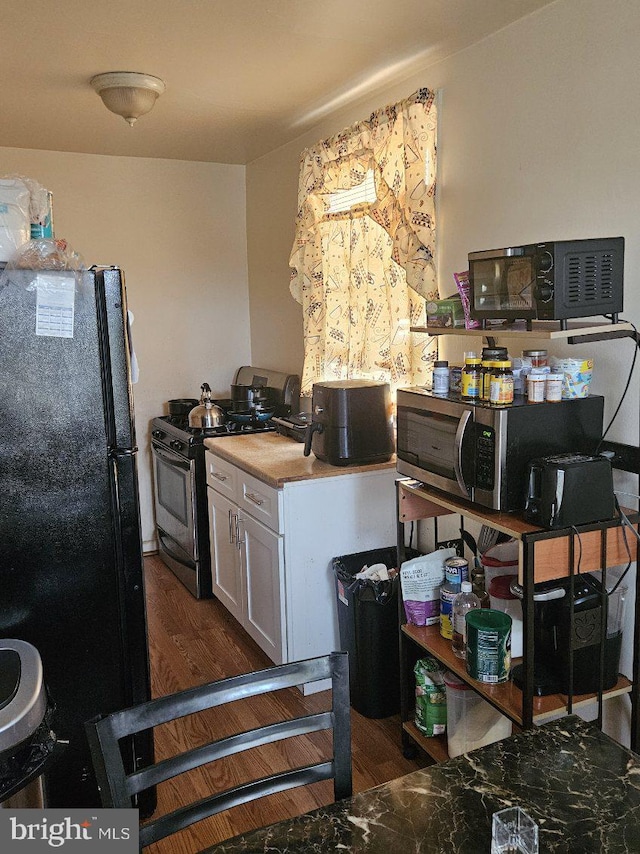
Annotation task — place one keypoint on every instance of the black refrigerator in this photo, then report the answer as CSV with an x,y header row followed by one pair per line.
x,y
71,566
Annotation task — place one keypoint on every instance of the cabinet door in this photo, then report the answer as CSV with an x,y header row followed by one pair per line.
x,y
225,555
263,565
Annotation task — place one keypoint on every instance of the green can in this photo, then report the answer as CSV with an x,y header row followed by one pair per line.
x,y
488,645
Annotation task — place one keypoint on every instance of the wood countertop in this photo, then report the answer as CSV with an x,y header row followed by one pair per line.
x,y
276,459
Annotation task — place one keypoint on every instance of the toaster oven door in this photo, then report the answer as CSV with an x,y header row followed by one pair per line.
x,y
502,284
435,445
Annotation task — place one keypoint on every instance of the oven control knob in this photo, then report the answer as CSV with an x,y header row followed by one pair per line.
x,y
545,262
545,291
176,445
157,434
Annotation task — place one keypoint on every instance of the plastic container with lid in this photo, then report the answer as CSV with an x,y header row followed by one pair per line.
x,y
501,386
441,377
486,367
471,378
536,385
502,599
500,559
553,387
471,721
539,358
489,356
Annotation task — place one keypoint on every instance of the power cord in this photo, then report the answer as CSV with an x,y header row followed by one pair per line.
x,y
628,383
626,525
577,533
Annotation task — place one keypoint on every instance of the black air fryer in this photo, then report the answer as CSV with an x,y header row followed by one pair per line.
x,y
351,423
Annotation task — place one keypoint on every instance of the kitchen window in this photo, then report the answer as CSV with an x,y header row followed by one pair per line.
x,y
363,262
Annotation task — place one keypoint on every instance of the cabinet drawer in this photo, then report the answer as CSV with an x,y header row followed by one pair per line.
x,y
221,475
259,500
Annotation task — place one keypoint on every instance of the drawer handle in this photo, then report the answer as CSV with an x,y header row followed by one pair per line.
x,y
219,476
251,497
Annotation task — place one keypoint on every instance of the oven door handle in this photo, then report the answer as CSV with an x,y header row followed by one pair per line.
x,y
457,456
171,458
165,545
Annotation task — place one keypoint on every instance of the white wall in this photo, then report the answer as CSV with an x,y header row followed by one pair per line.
x,y
178,231
539,140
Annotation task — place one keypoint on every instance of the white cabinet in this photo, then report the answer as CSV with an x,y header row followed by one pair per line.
x,y
247,561
263,574
272,548
225,563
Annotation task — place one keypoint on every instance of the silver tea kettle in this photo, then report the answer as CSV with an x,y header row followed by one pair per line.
x,y
207,414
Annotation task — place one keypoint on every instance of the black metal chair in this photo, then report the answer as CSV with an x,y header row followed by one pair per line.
x,y
118,788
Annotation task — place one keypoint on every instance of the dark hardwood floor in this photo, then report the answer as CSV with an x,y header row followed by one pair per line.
x,y
192,642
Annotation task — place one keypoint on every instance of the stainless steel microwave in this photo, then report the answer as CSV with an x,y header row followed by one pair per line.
x,y
479,452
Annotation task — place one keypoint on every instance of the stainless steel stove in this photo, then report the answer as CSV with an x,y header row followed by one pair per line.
x,y
182,519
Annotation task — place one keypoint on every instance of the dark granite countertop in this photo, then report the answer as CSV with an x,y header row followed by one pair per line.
x,y
581,787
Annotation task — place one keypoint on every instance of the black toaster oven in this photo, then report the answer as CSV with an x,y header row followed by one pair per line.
x,y
556,280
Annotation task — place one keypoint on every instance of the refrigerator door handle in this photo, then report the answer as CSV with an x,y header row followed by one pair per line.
x,y
113,339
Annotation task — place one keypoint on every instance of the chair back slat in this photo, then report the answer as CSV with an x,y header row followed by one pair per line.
x,y
190,759
117,789
193,700
185,816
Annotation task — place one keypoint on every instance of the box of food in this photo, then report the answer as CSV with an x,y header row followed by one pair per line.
x,y
446,313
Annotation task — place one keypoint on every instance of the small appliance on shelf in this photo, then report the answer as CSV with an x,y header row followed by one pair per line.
x,y
554,280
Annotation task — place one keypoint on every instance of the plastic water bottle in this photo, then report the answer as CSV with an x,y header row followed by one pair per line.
x,y
464,602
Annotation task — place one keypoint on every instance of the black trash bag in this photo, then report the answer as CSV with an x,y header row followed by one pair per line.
x,y
368,623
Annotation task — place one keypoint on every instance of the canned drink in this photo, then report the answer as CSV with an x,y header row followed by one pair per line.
x,y
456,570
448,593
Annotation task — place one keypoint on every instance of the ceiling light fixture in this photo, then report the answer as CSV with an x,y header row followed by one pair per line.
x,y
128,93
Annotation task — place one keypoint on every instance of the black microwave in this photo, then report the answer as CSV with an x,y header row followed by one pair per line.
x,y
557,280
481,453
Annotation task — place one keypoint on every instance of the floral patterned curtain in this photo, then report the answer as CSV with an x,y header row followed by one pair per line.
x,y
363,274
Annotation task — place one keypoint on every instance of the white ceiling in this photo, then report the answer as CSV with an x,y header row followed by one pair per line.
x,y
243,76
